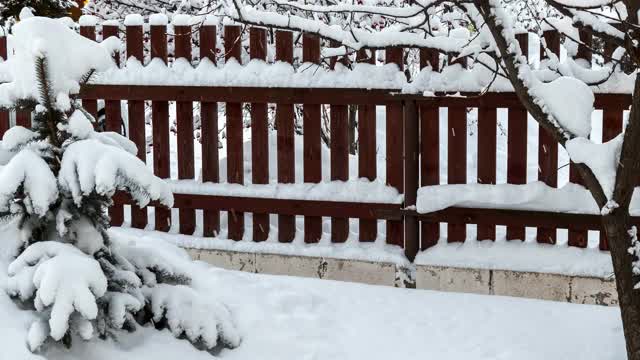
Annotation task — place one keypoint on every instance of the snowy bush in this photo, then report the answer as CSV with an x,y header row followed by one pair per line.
x,y
57,181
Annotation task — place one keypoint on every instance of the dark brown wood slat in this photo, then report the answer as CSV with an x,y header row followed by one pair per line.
x,y
136,119
395,147
487,153
548,147
113,121
517,145
282,206
23,118
311,137
339,156
90,105
457,163
580,238
4,114
160,122
429,148
367,163
184,122
235,156
209,132
612,120
107,32
285,127
411,175
259,136
344,96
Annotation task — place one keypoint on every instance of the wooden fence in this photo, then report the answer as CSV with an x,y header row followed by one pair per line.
x,y
412,144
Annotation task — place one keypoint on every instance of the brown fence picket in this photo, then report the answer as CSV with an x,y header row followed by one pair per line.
x,y
487,154
235,165
612,120
547,145
429,148
457,162
209,132
339,146
367,163
113,122
90,105
4,114
259,136
311,138
285,127
517,146
136,118
395,147
411,174
184,121
160,122
579,238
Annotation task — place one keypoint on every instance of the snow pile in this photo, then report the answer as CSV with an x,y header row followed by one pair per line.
x,y
602,159
569,101
256,73
517,255
357,190
535,196
69,57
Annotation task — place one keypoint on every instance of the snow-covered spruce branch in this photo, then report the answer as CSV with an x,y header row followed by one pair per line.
x,y
58,179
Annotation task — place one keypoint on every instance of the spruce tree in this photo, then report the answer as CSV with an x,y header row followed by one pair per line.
x,y
57,185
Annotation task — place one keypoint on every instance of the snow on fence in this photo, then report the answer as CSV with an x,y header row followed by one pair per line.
x,y
412,145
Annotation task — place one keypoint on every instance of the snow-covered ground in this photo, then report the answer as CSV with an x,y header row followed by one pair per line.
x,y
283,317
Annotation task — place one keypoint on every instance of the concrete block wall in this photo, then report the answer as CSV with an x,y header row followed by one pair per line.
x,y
581,290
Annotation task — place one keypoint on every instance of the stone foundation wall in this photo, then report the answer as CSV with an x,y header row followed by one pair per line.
x,y
581,290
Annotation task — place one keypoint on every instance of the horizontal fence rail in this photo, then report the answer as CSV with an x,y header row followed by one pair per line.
x,y
413,141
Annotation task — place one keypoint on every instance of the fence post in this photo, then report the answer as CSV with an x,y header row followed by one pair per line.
x,y
367,148
487,153
88,30
134,34
612,119
311,138
160,119
184,121
259,135
113,118
430,148
517,146
395,147
457,156
285,127
4,114
411,163
235,164
547,146
580,238
339,146
209,130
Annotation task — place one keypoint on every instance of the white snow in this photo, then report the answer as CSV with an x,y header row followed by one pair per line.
x,y
17,136
602,159
357,190
158,19
534,196
569,101
133,20
64,279
90,165
69,56
88,20
282,317
516,255
254,73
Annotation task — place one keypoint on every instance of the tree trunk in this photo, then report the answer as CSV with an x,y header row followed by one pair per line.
x,y
617,226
